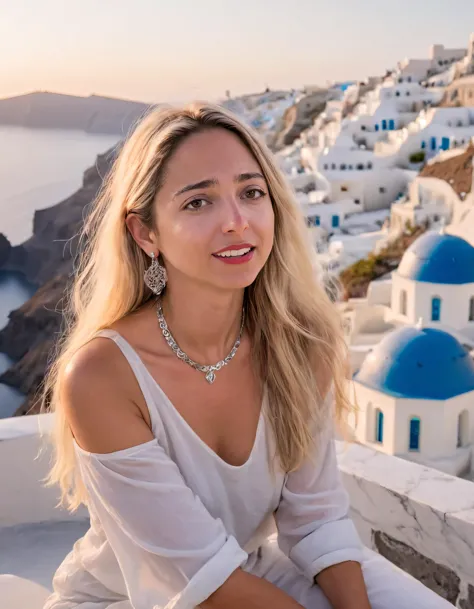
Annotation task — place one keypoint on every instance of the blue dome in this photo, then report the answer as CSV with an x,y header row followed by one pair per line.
x,y
418,363
438,258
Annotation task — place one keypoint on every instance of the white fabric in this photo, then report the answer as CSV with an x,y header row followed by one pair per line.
x,y
170,521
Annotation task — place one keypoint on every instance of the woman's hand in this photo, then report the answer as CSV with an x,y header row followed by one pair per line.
x,y
344,586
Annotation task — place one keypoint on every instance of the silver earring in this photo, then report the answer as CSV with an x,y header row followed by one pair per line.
x,y
155,276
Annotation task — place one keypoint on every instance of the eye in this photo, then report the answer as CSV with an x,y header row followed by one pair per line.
x,y
255,193
196,204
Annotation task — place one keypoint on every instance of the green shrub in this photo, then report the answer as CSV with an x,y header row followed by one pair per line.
x,y
417,157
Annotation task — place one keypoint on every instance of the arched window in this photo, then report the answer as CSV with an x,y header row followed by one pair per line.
x,y
379,426
403,302
471,308
435,308
463,429
415,424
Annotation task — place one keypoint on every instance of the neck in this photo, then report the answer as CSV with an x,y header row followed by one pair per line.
x,y
206,326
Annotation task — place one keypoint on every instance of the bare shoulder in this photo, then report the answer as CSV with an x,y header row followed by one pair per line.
x,y
99,398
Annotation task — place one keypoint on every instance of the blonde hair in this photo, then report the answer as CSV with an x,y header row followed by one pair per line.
x,y
298,343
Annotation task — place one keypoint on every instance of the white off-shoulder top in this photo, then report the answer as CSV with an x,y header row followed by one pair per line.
x,y
171,521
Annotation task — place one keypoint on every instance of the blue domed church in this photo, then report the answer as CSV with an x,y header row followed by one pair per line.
x,y
435,282
415,384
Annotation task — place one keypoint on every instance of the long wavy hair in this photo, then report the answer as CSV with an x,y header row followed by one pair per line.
x,y
295,329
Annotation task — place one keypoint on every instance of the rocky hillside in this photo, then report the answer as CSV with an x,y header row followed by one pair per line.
x,y
93,114
356,278
46,259
457,171
299,117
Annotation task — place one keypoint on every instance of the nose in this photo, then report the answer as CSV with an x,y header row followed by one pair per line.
x,y
234,218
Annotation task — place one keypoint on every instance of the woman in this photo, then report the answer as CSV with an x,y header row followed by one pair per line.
x,y
187,456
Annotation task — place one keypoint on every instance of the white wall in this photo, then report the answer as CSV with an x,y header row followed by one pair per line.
x,y
368,401
438,422
454,303
24,499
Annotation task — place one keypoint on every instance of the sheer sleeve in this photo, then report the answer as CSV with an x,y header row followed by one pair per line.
x,y
314,528
172,553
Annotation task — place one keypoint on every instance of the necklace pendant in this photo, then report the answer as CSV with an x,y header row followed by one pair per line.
x,y
210,377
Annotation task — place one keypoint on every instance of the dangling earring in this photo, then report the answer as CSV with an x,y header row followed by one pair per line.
x,y
155,276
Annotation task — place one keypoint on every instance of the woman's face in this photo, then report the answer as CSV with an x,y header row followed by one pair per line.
x,y
214,203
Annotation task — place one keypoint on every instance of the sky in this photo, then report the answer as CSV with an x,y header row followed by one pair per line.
x,y
176,50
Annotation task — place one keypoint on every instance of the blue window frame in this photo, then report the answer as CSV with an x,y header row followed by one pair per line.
x,y
415,425
335,221
384,125
379,426
317,221
445,143
376,127
433,143
435,308
391,124
423,145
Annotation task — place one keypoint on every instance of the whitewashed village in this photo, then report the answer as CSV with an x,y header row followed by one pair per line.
x,y
384,173
388,158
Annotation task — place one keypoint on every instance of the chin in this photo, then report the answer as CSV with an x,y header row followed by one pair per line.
x,y
238,282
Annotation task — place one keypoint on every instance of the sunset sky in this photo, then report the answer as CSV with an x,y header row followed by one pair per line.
x,y
151,50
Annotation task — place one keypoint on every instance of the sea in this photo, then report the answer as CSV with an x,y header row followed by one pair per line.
x,y
38,168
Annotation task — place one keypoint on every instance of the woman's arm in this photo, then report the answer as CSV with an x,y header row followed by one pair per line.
x,y
344,586
246,590
315,530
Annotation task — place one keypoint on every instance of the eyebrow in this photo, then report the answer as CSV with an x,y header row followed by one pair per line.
x,y
242,177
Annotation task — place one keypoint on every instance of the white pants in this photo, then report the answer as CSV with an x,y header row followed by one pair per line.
x,y
388,587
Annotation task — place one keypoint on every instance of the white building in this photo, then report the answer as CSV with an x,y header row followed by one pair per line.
x,y
410,341
415,392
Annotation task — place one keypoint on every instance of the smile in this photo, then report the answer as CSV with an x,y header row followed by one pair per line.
x,y
234,253
235,256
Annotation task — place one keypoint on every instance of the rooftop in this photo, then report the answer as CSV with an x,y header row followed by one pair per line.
x,y
438,258
417,517
418,363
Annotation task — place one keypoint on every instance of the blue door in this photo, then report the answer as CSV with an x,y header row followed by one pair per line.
x,y
391,124
415,433
445,143
433,143
379,426
335,221
423,145
376,127
435,308
384,125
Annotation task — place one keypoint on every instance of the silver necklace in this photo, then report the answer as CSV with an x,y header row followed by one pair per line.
x,y
209,370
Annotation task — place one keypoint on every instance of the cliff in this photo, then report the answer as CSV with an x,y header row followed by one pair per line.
x,y
93,114
457,170
46,259
355,279
299,117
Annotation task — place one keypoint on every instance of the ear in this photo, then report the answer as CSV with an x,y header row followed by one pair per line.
x,y
142,235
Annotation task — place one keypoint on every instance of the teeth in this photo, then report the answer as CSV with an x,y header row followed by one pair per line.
x,y
234,253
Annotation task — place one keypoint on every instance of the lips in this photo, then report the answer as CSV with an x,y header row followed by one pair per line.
x,y
237,247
